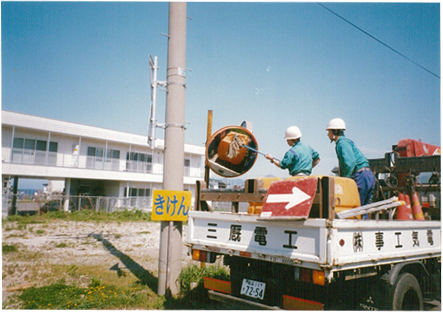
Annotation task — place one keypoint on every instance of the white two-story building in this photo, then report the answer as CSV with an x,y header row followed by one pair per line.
x,y
91,161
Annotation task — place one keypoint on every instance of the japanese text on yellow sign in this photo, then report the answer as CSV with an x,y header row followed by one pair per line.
x,y
171,205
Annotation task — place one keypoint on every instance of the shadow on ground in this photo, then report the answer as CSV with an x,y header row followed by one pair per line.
x,y
195,299
145,277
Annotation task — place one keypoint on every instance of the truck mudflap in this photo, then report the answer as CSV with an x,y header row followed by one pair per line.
x,y
239,302
270,284
289,302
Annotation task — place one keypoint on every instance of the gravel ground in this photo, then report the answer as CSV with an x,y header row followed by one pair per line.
x,y
111,245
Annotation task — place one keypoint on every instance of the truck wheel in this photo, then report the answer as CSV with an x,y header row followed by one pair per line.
x,y
407,294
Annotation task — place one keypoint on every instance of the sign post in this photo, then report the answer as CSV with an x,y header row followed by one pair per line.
x,y
170,206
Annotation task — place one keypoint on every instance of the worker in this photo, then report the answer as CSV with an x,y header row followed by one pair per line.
x,y
352,163
300,158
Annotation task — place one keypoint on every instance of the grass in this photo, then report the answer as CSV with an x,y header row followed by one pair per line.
x,y
82,215
97,295
81,287
125,293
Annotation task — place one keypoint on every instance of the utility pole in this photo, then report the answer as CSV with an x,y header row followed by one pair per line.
x,y
169,266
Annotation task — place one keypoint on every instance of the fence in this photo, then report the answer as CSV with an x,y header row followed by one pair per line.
x,y
41,203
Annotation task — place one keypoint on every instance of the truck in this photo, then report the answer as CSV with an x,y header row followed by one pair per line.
x,y
314,251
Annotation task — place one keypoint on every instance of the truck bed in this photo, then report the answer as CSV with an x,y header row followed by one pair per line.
x,y
330,245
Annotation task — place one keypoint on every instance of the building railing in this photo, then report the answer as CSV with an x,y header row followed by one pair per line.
x,y
43,158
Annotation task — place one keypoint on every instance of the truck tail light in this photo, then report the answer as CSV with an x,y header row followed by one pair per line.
x,y
306,275
309,276
203,256
318,277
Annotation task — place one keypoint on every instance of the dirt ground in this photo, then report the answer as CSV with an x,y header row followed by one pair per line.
x,y
112,245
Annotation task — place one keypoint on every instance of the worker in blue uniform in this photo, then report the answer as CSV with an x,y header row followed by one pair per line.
x,y
300,159
352,163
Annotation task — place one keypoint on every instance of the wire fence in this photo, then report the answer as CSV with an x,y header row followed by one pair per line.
x,y
42,204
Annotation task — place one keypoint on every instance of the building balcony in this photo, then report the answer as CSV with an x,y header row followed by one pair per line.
x,y
54,159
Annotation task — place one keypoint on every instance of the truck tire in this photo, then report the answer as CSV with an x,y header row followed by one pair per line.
x,y
407,294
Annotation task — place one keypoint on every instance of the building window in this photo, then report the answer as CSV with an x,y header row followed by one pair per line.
x,y
94,159
112,159
53,147
41,145
187,170
138,197
32,151
29,144
18,143
139,162
138,192
40,154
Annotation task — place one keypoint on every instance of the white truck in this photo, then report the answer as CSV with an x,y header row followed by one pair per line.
x,y
303,245
324,261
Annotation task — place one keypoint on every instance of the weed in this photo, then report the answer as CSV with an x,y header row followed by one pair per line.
x,y
193,295
15,235
8,248
73,270
61,245
193,274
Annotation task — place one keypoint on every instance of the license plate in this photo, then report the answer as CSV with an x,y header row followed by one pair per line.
x,y
253,289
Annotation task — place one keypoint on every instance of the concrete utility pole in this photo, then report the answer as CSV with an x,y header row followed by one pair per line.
x,y
169,266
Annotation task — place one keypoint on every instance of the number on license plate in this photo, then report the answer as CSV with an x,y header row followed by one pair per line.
x,y
253,289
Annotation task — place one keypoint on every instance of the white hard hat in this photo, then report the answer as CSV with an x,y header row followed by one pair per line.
x,y
292,133
336,124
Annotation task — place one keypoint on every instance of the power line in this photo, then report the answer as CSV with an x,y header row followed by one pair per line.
x,y
379,41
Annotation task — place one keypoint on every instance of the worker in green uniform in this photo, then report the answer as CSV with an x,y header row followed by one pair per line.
x,y
300,158
352,163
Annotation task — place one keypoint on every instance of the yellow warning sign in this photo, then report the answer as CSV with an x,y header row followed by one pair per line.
x,y
171,205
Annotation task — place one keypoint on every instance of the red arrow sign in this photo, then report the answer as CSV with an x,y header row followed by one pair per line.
x,y
291,199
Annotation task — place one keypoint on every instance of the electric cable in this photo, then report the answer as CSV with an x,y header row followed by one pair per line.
x,y
379,41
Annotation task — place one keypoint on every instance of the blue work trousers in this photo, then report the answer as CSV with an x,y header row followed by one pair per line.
x,y
365,183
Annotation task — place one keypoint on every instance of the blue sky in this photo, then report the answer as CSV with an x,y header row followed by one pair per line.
x,y
273,64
